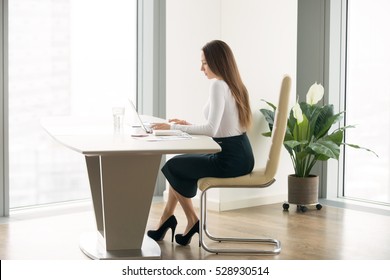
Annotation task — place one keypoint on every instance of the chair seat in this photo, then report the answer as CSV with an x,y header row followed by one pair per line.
x,y
256,179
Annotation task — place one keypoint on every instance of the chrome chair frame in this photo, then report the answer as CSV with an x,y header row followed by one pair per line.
x,y
203,231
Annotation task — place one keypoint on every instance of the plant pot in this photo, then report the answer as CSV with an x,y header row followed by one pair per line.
x,y
303,190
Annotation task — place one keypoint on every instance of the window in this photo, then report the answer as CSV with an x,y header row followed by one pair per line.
x,y
66,57
367,101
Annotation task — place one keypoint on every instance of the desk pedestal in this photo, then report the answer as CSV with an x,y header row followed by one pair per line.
x,y
92,246
122,189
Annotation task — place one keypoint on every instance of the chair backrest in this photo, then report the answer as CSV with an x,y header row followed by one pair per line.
x,y
279,128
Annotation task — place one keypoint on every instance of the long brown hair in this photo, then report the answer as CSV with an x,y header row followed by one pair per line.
x,y
222,63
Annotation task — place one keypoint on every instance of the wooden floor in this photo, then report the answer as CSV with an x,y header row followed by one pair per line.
x,y
331,233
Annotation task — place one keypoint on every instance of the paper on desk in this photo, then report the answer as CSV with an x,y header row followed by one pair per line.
x,y
182,136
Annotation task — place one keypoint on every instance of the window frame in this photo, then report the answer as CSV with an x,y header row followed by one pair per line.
x,y
4,186
336,64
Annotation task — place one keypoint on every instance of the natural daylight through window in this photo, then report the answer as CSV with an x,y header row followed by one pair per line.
x,y
368,101
66,57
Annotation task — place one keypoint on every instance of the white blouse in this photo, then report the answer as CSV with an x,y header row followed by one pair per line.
x,y
221,114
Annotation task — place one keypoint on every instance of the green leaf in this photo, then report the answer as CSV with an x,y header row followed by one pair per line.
x,y
270,104
322,117
288,136
291,121
325,149
293,143
308,110
358,147
300,156
301,130
268,115
336,137
325,123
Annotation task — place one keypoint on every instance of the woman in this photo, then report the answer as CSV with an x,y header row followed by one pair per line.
x,y
228,115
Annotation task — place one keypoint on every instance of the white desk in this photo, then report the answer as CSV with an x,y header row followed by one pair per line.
x,y
122,173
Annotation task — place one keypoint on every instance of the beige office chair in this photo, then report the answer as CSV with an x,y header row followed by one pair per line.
x,y
258,178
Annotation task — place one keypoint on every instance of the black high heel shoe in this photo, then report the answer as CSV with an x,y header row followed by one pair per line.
x,y
159,234
186,239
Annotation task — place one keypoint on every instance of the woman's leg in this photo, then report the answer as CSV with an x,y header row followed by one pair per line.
x,y
170,206
188,207
186,204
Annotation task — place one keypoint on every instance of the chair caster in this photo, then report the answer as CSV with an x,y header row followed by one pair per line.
x,y
302,208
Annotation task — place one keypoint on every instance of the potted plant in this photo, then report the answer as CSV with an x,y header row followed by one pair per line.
x,y
308,139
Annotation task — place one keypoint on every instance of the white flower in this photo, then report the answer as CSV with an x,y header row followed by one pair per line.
x,y
297,112
315,94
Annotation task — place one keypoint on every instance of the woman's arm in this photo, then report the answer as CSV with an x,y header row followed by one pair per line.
x,y
216,107
215,113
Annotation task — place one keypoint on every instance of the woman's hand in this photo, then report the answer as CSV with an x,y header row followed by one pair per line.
x,y
177,121
161,126
167,126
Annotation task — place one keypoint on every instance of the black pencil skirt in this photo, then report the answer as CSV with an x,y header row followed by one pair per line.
x,y
235,159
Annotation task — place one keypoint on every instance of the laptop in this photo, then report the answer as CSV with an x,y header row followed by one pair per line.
x,y
149,130
146,128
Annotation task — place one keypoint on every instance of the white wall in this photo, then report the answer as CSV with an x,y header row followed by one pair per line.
x,y
262,35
